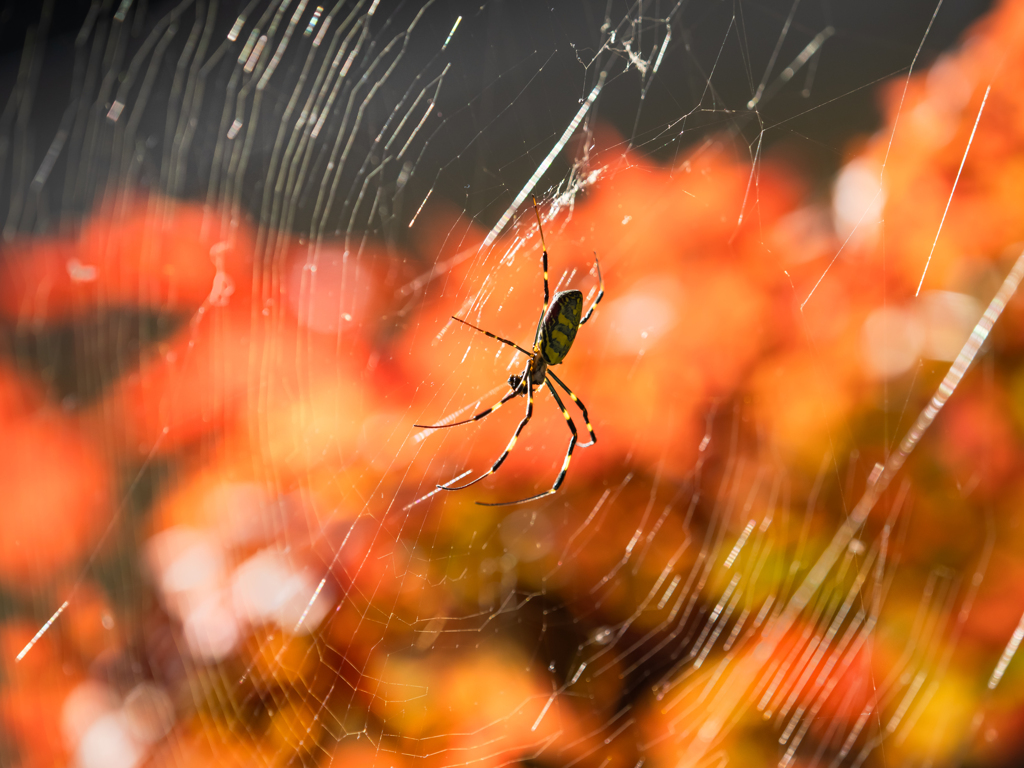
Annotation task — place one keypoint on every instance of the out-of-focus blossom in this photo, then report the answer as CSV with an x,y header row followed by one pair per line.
x,y
54,513
299,590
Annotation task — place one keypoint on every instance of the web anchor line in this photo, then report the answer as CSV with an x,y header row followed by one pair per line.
x,y
734,688
454,261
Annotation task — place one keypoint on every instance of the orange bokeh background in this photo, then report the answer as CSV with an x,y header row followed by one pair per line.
x,y
758,350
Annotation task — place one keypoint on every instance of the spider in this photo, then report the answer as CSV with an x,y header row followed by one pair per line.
x,y
556,331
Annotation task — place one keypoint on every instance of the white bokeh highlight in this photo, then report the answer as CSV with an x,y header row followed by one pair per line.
x,y
934,327
269,588
858,201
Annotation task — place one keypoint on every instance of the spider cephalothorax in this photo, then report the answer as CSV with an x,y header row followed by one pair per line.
x,y
559,322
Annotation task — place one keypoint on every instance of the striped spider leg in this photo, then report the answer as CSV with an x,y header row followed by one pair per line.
x,y
560,320
528,384
565,462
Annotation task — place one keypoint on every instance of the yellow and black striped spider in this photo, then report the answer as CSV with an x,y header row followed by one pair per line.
x,y
556,331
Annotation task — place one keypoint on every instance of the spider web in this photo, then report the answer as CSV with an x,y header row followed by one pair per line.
x,y
235,236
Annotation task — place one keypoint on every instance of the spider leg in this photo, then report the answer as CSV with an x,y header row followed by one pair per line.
x,y
488,333
544,246
479,416
565,464
600,294
582,407
511,443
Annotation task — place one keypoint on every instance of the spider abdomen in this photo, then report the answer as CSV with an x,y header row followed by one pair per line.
x,y
558,328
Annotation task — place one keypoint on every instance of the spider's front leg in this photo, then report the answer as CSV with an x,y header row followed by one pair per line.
x,y
600,291
582,407
477,417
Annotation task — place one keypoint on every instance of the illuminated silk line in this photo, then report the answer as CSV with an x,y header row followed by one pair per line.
x,y
309,605
888,148
1008,653
41,632
99,543
423,434
544,711
764,93
956,181
735,686
775,55
449,38
436,490
544,164
458,258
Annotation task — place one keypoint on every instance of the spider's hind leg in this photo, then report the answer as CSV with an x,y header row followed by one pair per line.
x,y
565,463
508,448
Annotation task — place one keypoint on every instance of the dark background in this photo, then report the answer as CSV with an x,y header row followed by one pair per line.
x,y
518,71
